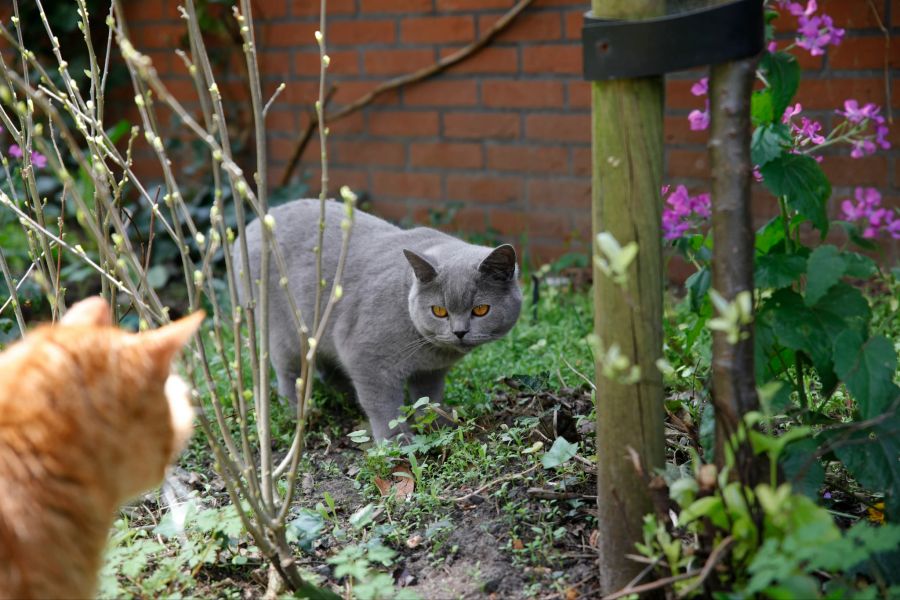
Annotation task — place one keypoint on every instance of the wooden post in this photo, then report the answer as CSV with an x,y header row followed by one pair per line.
x,y
627,175
734,379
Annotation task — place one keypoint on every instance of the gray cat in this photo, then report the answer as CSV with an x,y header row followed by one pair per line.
x,y
414,303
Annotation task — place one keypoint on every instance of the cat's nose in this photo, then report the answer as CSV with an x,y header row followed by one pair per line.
x,y
461,334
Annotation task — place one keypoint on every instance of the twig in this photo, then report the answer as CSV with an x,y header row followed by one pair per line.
x,y
416,76
580,374
887,62
496,481
714,557
551,495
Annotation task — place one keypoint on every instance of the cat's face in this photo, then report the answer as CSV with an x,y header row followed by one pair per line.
x,y
461,302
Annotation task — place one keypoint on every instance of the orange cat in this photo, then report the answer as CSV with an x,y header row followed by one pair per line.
x,y
89,417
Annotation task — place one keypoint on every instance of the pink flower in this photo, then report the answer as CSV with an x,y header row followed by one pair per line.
x,y
38,160
15,151
815,32
870,215
699,119
790,111
684,212
853,113
701,88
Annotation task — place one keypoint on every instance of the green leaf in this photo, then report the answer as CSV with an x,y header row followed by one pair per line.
x,y
783,74
697,285
363,516
774,271
305,528
825,267
761,111
558,454
768,142
859,265
867,368
801,467
872,456
157,276
801,180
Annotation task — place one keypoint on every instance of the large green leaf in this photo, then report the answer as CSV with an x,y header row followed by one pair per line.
x,y
768,142
774,271
801,467
873,458
783,74
761,110
801,180
867,368
824,268
560,453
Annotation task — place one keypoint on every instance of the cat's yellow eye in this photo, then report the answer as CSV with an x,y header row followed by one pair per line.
x,y
481,310
439,311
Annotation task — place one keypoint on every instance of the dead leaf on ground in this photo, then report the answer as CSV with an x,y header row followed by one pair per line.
x,y
413,541
517,544
401,482
594,539
572,594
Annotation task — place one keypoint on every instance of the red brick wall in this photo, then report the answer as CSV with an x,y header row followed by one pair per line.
x,y
506,133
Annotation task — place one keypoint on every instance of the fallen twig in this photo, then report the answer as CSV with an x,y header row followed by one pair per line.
x,y
552,495
397,82
496,481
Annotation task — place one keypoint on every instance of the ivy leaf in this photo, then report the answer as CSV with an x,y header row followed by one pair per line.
x,y
305,529
783,75
768,142
560,453
774,271
801,180
867,368
824,268
873,458
761,110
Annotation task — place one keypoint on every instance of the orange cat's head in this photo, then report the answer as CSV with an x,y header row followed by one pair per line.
x,y
98,401
90,415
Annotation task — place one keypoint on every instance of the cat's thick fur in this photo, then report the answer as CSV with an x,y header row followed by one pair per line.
x,y
89,417
383,335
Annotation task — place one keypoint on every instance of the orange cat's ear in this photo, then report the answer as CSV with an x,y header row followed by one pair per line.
x,y
89,312
164,343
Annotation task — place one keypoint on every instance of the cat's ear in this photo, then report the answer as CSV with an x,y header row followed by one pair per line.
x,y
163,344
500,263
424,270
92,311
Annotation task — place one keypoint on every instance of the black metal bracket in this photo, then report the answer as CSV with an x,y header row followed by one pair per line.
x,y
618,49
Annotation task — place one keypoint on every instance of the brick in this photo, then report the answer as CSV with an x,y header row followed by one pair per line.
x,y
277,62
353,178
509,222
403,123
143,11
829,94
559,193
579,93
845,170
447,155
806,60
552,225
442,92
545,253
392,184
574,21
484,188
350,91
289,34
395,6
491,59
528,27
563,128
528,159
308,8
687,163
262,11
437,30
343,62
280,120
677,130
867,52
469,5
555,3
395,212
497,126
522,94
352,124
355,33
390,154
169,36
562,59
397,61
582,162
856,15
678,93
